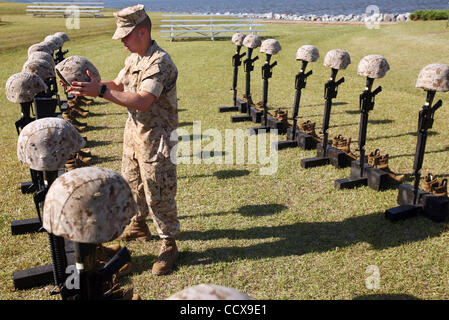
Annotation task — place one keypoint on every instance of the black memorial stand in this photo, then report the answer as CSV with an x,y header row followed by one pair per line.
x,y
330,92
293,132
236,63
359,167
266,74
411,199
244,105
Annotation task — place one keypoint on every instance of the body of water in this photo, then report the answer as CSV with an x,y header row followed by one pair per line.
x,y
297,7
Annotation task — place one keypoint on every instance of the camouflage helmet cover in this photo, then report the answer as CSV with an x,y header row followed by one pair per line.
x,y
373,66
23,86
434,77
63,36
270,46
308,53
46,144
74,69
252,41
127,19
88,205
40,47
42,55
208,292
337,59
41,67
54,42
237,38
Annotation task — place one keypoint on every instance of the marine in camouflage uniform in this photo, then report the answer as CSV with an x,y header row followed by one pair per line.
x,y
148,77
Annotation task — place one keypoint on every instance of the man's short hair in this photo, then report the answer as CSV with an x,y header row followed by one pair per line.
x,y
146,24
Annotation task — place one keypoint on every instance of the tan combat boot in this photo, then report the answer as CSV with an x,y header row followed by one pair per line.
x,y
72,102
373,158
119,293
78,112
429,183
440,190
136,230
85,156
74,163
167,257
248,100
336,142
66,115
282,115
85,100
381,163
105,253
308,127
79,156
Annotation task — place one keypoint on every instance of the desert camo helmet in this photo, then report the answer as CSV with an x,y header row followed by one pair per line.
x,y
337,59
252,41
22,87
237,38
88,205
74,69
55,42
434,77
46,144
308,53
270,46
40,47
39,66
42,55
63,36
373,66
209,292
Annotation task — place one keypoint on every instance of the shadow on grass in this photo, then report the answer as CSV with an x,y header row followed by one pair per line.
x,y
386,297
307,237
319,115
384,121
210,154
258,210
185,124
94,128
96,143
344,125
222,174
427,152
429,133
193,137
342,103
92,114
96,103
101,160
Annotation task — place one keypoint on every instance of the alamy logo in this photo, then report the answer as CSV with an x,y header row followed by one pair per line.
x,y
373,13
373,281
73,280
237,146
73,17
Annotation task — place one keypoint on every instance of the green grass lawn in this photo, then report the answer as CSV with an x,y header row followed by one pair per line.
x,y
285,236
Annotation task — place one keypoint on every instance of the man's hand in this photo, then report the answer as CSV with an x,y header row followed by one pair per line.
x,y
91,89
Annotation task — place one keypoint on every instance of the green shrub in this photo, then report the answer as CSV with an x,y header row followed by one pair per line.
x,y
430,15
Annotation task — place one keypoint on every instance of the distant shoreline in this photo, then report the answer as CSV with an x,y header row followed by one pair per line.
x,y
325,19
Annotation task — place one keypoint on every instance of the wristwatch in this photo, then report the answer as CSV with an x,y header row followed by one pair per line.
x,y
102,90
